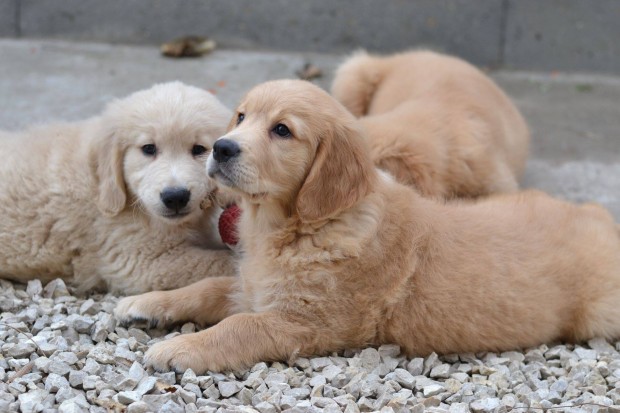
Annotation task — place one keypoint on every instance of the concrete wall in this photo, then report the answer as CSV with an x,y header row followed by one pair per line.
x,y
567,35
563,34
9,18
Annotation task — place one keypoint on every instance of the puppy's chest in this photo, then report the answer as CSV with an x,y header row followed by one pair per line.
x,y
271,284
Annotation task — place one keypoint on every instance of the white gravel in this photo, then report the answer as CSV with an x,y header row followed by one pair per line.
x,y
66,354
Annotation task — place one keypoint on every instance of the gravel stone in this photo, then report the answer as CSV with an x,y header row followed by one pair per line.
x,y
88,307
34,288
366,404
125,383
389,351
122,354
91,367
370,358
138,407
585,354
128,397
485,405
156,401
432,390
32,401
211,392
330,372
228,388
169,377
441,371
265,407
318,380
81,324
101,355
276,380
59,367
55,382
318,363
75,405
171,407
416,366
458,408
83,357
89,382
139,335
146,385
76,378
67,357
20,350
188,377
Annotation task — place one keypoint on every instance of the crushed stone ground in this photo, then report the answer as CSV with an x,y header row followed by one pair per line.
x,y
62,353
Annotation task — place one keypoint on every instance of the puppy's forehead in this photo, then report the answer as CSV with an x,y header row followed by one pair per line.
x,y
280,97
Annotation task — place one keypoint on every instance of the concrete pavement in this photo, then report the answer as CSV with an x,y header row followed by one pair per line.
x,y
575,119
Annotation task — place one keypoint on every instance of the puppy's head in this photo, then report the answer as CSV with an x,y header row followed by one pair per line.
x,y
290,142
153,150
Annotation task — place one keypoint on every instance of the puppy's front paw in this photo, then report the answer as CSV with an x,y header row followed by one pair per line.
x,y
179,354
147,308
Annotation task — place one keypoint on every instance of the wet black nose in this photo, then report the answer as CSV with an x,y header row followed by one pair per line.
x,y
175,198
224,149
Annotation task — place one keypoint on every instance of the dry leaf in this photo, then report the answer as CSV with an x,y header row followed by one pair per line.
x,y
188,46
309,72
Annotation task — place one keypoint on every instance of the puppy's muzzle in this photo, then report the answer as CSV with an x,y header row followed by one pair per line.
x,y
225,149
175,199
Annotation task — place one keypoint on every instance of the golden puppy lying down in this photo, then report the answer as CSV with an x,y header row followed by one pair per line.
x,y
115,200
435,122
340,255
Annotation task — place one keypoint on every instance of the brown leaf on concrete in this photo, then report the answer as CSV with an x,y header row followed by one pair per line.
x,y
188,46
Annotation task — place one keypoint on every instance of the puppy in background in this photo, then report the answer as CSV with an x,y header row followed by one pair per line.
x,y
339,255
435,122
120,200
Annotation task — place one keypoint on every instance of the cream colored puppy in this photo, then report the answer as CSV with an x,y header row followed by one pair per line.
x,y
116,200
339,255
435,122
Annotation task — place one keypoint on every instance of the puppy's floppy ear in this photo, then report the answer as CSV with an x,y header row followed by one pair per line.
x,y
108,165
342,173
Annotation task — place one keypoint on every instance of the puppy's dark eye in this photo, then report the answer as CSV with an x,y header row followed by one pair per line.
x,y
149,150
240,118
198,150
282,131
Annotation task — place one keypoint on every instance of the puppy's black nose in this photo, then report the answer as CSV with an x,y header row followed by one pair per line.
x,y
224,149
175,198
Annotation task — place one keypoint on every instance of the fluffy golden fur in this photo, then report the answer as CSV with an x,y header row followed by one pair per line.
x,y
83,202
435,122
339,255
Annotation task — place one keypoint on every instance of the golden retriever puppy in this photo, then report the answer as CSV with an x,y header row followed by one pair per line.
x,y
115,200
339,255
435,122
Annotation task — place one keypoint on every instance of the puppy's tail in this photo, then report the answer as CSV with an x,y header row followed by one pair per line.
x,y
356,81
